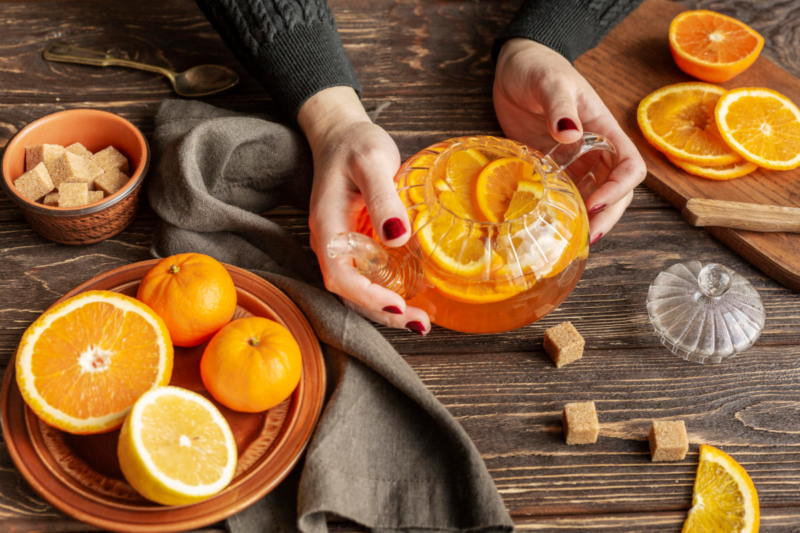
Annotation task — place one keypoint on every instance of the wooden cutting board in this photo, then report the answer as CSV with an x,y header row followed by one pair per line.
x,y
633,61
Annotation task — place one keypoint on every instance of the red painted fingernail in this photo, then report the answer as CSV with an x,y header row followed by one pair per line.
x,y
416,327
392,309
566,124
595,239
597,209
393,228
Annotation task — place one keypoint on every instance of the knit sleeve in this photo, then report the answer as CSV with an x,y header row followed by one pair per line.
x,y
570,27
290,46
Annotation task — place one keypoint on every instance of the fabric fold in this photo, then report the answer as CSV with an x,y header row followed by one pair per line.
x,y
386,453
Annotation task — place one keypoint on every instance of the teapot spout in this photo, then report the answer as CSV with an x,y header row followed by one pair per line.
x,y
397,269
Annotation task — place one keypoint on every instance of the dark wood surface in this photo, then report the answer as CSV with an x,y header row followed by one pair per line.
x,y
648,66
430,60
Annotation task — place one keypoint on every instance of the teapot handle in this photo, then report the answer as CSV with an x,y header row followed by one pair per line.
x,y
563,155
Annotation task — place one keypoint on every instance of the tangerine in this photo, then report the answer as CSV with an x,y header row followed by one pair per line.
x,y
192,293
251,365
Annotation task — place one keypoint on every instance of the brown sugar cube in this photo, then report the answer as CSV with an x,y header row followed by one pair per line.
x,y
111,181
668,440
96,196
51,199
110,159
71,168
79,149
35,183
563,344
580,423
41,153
73,195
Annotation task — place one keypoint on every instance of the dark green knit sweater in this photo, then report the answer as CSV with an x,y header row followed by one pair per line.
x,y
292,46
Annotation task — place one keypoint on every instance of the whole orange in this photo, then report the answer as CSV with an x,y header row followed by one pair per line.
x,y
251,365
192,293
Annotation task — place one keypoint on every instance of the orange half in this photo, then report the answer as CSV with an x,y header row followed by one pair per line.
x,y
83,364
711,46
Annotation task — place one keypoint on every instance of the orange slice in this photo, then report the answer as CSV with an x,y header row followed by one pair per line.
x,y
763,126
454,244
416,178
724,499
84,363
679,121
725,172
463,169
713,47
525,198
497,183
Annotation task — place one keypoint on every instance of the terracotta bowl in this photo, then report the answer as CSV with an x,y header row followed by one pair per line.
x,y
80,474
96,130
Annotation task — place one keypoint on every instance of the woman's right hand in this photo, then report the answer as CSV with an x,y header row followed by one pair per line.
x,y
354,165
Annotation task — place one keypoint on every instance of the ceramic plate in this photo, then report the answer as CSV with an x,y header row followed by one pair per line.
x,y
80,475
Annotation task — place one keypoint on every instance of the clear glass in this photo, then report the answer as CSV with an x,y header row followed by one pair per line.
x,y
485,277
705,313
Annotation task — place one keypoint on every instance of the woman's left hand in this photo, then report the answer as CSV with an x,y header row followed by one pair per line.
x,y
539,97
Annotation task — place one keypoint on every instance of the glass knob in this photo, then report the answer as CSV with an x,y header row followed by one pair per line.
x,y
714,280
705,314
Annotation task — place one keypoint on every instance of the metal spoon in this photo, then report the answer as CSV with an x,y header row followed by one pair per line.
x,y
197,81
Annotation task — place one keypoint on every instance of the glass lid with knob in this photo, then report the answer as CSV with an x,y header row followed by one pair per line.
x,y
705,313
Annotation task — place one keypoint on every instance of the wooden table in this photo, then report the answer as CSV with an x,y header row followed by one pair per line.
x,y
430,61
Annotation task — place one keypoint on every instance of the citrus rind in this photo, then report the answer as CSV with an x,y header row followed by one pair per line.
x,y
721,173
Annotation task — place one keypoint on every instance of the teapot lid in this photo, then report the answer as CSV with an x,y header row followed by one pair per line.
x,y
705,313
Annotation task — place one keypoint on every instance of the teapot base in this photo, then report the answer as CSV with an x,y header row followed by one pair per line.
x,y
512,313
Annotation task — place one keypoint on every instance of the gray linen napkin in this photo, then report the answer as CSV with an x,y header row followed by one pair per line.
x,y
386,453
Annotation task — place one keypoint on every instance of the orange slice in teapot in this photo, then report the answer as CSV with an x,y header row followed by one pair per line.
x,y
463,169
497,184
454,244
525,198
416,179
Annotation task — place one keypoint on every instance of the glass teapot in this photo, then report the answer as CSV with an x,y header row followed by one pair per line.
x,y
499,231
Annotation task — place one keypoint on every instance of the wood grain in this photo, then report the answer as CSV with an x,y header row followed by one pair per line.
x,y
641,39
430,60
389,43
512,405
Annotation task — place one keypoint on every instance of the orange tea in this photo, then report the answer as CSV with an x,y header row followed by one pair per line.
x,y
500,232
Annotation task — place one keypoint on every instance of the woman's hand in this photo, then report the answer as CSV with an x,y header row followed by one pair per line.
x,y
539,96
354,164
